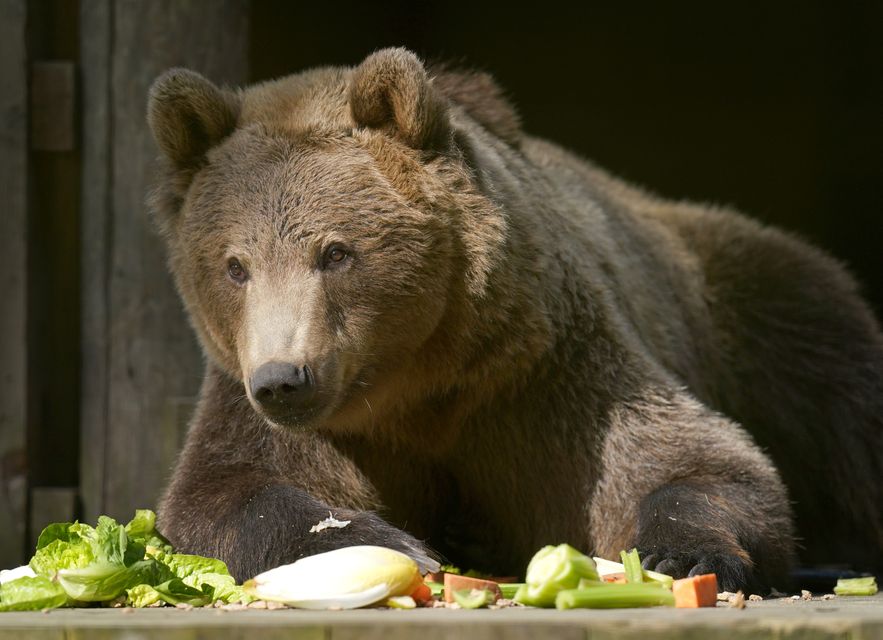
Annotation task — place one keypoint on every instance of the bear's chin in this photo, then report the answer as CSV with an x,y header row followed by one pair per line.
x,y
307,420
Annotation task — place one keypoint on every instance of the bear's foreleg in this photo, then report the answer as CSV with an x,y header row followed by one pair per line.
x,y
693,493
249,494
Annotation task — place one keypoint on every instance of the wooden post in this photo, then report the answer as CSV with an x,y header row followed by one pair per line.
x,y
13,238
140,357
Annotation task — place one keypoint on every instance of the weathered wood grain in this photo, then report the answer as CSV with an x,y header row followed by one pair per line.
x,y
137,344
52,105
95,51
13,319
838,619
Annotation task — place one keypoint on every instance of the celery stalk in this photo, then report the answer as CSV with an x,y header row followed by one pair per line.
x,y
553,569
508,589
658,578
606,567
856,586
632,564
615,596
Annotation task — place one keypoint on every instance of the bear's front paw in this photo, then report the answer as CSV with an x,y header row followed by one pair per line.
x,y
733,570
369,528
681,533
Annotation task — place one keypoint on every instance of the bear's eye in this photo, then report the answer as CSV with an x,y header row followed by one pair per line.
x,y
334,256
236,271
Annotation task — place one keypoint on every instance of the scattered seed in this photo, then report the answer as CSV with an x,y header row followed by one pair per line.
x,y
755,598
738,600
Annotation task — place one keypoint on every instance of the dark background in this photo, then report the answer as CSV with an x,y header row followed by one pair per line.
x,y
774,108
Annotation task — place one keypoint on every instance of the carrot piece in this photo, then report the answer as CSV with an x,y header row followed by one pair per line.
x,y
619,578
457,583
422,594
698,591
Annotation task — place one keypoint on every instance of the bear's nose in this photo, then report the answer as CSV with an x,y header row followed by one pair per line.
x,y
281,388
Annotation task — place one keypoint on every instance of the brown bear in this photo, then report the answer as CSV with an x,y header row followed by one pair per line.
x,y
471,343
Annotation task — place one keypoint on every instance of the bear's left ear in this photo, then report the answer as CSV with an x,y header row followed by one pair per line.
x,y
390,90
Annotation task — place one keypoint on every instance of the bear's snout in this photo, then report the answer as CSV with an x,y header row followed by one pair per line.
x,y
283,390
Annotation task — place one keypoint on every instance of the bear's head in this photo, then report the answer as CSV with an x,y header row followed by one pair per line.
x,y
327,236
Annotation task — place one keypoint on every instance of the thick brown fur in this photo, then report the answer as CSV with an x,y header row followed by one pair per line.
x,y
517,349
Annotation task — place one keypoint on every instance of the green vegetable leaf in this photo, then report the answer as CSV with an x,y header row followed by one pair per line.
x,y
172,591
100,581
58,531
142,528
224,586
31,594
184,565
142,595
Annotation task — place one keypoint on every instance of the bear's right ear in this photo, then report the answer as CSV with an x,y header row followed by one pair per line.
x,y
189,115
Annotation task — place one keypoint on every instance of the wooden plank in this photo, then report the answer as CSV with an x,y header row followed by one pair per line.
x,y
152,357
95,51
51,504
837,619
53,96
13,217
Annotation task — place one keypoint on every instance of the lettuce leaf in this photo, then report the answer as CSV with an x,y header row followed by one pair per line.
x,y
173,592
101,581
96,564
76,562
142,528
184,565
31,594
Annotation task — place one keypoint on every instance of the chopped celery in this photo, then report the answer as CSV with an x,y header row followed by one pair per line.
x,y
473,598
585,583
615,596
437,588
606,567
856,586
508,589
553,569
659,578
632,565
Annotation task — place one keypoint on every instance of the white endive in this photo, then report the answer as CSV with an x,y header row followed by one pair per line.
x,y
345,578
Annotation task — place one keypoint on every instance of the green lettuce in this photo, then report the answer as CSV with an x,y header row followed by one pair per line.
x,y
172,591
95,564
78,563
31,594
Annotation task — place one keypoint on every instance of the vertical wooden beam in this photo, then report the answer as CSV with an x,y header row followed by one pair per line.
x,y
148,364
96,19
13,325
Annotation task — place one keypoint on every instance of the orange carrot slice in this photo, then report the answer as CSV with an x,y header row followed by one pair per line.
x,y
698,591
422,594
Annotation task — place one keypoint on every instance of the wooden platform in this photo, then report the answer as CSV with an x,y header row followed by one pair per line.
x,y
842,618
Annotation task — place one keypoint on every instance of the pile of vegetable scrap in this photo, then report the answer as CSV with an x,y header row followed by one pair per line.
x,y
134,566
78,565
